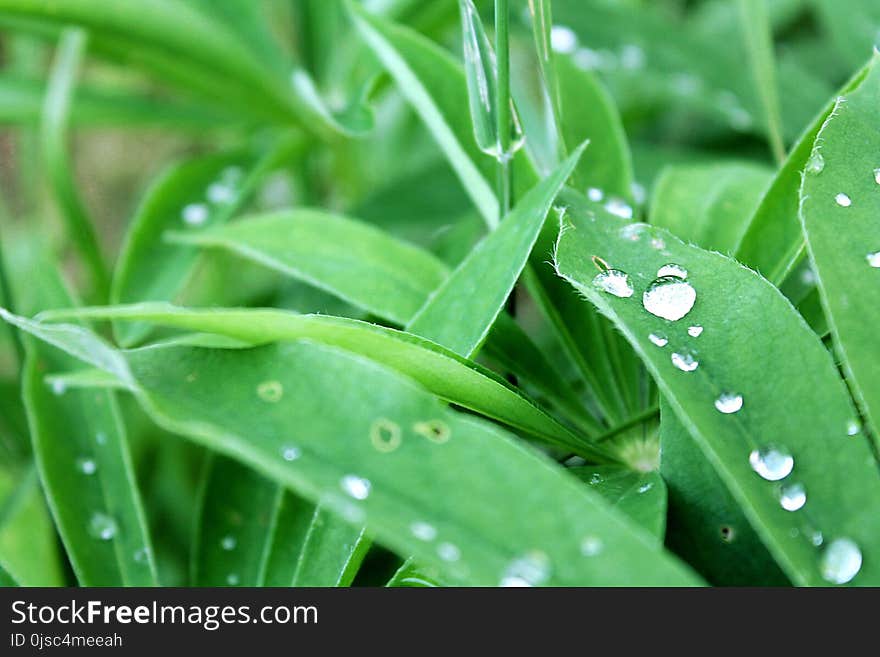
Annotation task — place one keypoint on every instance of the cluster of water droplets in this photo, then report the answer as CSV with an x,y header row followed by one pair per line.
x,y
614,204
219,193
628,57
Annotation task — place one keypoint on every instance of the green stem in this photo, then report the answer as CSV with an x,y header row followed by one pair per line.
x,y
645,416
502,103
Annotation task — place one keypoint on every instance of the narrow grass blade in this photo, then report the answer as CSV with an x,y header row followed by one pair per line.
x,y
840,214
740,393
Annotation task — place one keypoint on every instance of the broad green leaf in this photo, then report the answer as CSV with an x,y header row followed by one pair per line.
x,y
709,204
194,195
460,313
706,526
444,373
774,241
81,449
840,213
640,495
253,532
495,511
759,46
754,376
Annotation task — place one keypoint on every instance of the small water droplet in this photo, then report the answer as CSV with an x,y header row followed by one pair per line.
x,y
658,339
877,175
102,526
357,487
619,208
669,297
220,193
672,270
614,281
853,427
843,200
873,259
596,478
729,402
841,561
695,331
658,244
448,552
632,57
563,39
632,232
87,466
385,435
423,531
595,194
792,496
58,386
232,579
101,438
808,276
228,543
816,538
231,174
270,391
531,569
591,546
639,192
142,555
685,360
644,488
771,463
195,214
816,163
290,452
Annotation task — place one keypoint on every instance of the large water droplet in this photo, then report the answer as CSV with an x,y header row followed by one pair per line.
x,y
792,496
873,259
195,214
729,402
695,331
841,561
102,526
669,297
591,546
87,466
658,339
853,427
531,569
816,163
423,531
614,282
672,270
685,360
357,487
843,200
228,543
563,39
771,463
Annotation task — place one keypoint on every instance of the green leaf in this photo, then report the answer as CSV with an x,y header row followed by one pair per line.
x,y
6,579
252,532
779,408
196,194
411,575
460,313
840,213
774,241
445,374
852,27
521,519
640,495
709,204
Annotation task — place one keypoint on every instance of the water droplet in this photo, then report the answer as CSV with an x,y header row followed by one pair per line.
x,y
873,259
853,427
357,487
220,193
142,555
595,194
816,538
792,497
639,192
563,39
434,430
290,452
619,208
101,438
658,244
87,466
727,533
644,488
816,163
672,270
729,402
232,579
591,546
632,232
877,175
843,200
841,561
270,391
658,339
695,331
808,276
385,435
531,569
588,59
195,214
596,478
614,281
102,526
685,360
231,175
632,57
58,386
448,552
228,543
669,297
771,463
423,531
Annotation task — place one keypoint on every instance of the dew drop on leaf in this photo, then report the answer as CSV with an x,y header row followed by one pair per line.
x,y
672,270
695,331
729,402
853,427
644,488
220,193
877,175
658,244
816,163
591,546
195,214
228,543
669,297
563,39
619,208
658,339
685,360
614,281
101,438
290,452
357,487
102,526
843,200
448,552
87,466
532,569
841,561
142,555
816,538
596,479
232,579
792,496
58,387
772,463
595,194
873,259
423,531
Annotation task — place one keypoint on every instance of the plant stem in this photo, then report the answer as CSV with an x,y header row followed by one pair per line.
x,y
502,103
645,416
